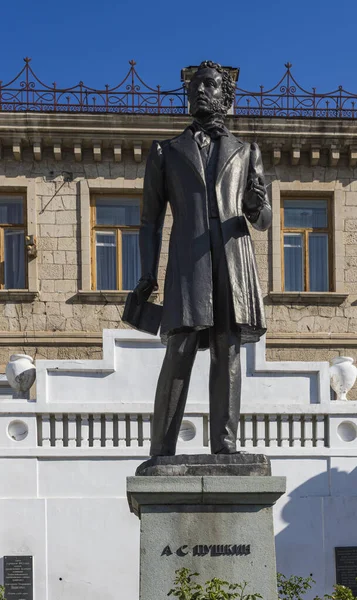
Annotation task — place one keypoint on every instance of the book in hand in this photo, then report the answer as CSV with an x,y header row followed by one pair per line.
x,y
144,317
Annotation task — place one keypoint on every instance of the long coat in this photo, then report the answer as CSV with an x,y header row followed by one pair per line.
x,y
175,174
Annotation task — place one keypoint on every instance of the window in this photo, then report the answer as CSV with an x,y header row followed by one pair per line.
x,y
115,242
306,241
12,242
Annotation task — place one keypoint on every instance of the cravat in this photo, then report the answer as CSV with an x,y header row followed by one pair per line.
x,y
214,130
202,139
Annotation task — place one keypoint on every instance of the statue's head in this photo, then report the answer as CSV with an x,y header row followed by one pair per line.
x,y
211,90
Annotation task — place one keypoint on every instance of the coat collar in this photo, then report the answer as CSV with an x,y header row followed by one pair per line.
x,y
187,146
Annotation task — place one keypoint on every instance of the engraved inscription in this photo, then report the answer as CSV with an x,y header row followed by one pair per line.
x,y
18,577
209,550
346,567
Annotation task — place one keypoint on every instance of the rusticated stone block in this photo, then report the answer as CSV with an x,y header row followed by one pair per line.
x,y
51,272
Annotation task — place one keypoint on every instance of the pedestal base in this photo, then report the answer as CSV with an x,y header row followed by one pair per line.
x,y
218,525
240,463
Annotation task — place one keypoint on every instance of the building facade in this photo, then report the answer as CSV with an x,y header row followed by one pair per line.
x,y
71,179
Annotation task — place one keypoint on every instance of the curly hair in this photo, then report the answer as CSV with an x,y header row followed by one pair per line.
x,y
228,85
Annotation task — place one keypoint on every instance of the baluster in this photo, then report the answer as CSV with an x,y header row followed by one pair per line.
x,y
46,431
273,431
261,431
109,436
97,431
84,431
308,438
248,431
59,431
320,431
285,431
134,432
72,431
146,431
122,431
296,431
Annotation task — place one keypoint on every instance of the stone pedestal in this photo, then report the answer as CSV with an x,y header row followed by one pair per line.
x,y
194,515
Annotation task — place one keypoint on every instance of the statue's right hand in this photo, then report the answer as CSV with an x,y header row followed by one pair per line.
x,y
144,288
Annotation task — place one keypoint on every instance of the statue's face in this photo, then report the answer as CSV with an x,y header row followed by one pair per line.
x,y
205,92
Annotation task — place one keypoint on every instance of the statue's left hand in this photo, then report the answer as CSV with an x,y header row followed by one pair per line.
x,y
255,194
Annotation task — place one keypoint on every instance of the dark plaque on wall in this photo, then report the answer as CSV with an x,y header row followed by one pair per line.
x,y
346,567
18,578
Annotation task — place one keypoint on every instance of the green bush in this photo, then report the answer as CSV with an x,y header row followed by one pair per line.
x,y
293,587
289,588
341,592
185,588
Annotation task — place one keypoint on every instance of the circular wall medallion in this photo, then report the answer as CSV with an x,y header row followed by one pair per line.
x,y
347,431
17,430
187,431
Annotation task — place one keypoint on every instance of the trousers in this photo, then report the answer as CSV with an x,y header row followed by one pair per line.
x,y
225,371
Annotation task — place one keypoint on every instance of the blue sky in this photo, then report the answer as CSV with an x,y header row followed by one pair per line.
x,y
75,40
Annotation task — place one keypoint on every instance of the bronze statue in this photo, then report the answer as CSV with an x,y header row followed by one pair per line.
x,y
212,298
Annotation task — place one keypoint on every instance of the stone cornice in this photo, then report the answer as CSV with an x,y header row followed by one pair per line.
x,y
28,126
100,132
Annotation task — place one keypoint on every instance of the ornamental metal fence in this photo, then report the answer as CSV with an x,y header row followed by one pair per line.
x,y
287,99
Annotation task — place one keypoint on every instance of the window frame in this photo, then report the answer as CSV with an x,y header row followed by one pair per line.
x,y
3,226
118,236
305,231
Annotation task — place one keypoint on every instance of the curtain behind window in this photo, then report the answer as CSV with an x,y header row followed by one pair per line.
x,y
318,262
130,260
106,260
114,211
11,211
14,259
293,262
305,213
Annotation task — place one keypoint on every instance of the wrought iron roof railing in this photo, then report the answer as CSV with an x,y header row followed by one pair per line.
x,y
26,92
